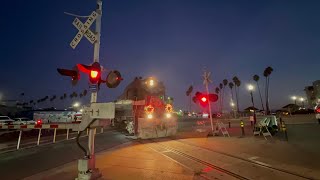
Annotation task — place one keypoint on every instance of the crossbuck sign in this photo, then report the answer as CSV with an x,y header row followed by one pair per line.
x,y
84,30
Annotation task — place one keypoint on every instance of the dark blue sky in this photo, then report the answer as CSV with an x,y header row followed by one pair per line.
x,y
169,39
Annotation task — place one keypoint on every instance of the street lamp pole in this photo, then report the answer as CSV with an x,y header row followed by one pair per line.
x,y
302,102
250,87
295,99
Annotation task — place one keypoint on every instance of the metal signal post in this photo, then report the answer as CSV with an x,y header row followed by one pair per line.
x,y
94,94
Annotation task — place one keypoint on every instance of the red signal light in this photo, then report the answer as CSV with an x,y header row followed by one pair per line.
x,y
94,74
204,99
318,110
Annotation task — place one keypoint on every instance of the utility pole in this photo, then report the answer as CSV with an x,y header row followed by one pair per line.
x,y
206,81
94,94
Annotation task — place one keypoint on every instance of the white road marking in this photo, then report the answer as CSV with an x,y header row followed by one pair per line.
x,y
258,162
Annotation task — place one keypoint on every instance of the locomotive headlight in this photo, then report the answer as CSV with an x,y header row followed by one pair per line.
x,y
149,116
168,115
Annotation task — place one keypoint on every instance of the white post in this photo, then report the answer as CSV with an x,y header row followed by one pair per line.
x,y
206,81
101,130
94,94
67,134
54,135
19,139
39,135
87,131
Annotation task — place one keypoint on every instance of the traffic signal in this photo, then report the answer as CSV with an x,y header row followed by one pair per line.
x,y
204,99
213,97
113,79
74,74
94,72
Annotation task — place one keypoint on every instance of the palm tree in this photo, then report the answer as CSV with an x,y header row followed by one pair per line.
x,y
256,79
225,83
231,85
221,89
218,93
267,72
237,83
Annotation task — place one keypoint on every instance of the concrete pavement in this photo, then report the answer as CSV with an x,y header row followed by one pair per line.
x,y
128,161
197,158
26,162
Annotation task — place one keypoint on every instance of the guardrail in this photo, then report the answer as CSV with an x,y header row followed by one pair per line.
x,y
40,127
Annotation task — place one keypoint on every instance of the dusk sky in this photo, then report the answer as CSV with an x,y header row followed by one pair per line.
x,y
172,40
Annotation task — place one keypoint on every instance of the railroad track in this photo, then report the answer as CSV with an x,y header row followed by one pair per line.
x,y
248,161
167,148
194,159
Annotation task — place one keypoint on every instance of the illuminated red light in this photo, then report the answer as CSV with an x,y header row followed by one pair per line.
x,y
204,99
94,74
318,110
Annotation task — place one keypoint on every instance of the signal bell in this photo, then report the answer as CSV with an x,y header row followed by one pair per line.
x,y
113,79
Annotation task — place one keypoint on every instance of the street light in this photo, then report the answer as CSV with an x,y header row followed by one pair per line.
x,y
295,99
232,104
251,88
76,104
302,101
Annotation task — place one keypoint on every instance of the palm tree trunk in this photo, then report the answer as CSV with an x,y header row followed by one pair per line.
x,y
232,101
222,100
268,107
260,96
266,96
237,98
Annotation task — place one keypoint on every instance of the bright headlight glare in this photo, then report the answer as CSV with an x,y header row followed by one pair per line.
x,y
150,116
168,115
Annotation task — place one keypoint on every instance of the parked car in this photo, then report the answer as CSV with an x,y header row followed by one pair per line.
x,y
5,120
23,121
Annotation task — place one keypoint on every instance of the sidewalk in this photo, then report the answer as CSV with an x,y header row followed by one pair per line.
x,y
128,161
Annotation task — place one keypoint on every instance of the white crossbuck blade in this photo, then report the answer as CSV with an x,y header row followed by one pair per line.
x,y
84,30
206,77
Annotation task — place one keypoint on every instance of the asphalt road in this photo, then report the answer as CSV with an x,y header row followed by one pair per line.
x,y
26,162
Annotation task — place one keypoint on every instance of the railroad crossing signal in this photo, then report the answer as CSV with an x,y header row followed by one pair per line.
x,y
206,78
84,30
74,74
